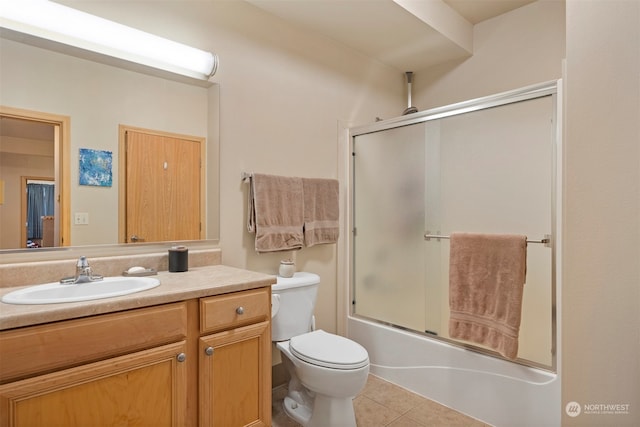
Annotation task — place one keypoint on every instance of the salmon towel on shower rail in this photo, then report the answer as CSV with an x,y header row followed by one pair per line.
x,y
486,283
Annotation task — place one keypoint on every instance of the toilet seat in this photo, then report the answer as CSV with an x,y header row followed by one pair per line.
x,y
328,350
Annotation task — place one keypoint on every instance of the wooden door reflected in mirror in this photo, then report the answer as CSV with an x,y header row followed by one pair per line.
x,y
163,191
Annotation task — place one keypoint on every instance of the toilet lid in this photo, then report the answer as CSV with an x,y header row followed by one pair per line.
x,y
328,350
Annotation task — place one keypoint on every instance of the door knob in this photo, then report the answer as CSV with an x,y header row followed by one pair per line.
x,y
134,238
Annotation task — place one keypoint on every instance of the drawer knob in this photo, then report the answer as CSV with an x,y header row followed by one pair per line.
x,y
208,351
181,357
240,310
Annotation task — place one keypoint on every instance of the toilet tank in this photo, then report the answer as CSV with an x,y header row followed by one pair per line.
x,y
293,301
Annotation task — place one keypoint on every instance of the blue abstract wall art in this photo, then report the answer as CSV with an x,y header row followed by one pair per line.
x,y
95,167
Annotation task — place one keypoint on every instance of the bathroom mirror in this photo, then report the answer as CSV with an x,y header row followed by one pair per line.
x,y
97,99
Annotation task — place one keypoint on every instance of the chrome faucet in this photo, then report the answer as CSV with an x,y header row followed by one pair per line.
x,y
83,273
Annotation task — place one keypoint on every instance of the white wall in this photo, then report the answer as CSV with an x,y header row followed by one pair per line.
x,y
284,95
512,50
601,289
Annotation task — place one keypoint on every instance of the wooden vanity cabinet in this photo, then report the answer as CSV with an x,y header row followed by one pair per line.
x,y
113,369
146,388
138,367
235,359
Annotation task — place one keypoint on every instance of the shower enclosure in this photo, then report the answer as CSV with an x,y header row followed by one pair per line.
x,y
486,165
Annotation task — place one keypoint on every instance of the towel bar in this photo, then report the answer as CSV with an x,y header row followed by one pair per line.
x,y
546,240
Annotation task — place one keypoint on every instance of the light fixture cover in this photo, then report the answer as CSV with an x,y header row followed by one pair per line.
x,y
62,24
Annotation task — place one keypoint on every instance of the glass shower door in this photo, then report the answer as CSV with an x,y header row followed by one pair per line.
x,y
490,170
389,221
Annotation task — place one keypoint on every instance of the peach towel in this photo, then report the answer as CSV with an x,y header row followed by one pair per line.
x,y
486,282
321,211
276,212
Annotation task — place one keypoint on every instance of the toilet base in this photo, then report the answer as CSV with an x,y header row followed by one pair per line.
x,y
299,413
331,411
326,412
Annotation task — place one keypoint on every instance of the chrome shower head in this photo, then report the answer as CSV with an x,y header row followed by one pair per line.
x,y
410,109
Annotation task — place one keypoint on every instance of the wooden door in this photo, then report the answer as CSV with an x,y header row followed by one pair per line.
x,y
163,187
148,388
235,377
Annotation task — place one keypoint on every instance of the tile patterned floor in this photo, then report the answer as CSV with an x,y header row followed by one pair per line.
x,y
382,404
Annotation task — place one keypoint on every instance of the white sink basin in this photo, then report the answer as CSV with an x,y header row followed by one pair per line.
x,y
51,293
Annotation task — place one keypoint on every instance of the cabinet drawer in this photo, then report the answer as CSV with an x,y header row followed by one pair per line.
x,y
236,309
38,349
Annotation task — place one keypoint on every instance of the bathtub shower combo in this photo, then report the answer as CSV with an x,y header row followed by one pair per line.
x,y
488,165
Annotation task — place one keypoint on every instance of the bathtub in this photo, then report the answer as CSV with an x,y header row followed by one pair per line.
x,y
495,391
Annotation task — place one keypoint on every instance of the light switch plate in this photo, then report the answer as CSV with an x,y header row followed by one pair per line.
x,y
81,218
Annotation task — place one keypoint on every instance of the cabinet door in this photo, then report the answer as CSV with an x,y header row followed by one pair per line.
x,y
235,377
147,388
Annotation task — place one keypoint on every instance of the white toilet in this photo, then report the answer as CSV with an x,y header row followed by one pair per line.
x,y
327,370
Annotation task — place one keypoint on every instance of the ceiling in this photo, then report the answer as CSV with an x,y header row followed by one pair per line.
x,y
476,11
18,128
409,35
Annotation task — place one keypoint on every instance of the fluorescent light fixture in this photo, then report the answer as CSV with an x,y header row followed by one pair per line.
x,y
62,24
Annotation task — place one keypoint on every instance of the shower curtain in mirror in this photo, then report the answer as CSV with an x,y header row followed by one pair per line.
x,y
39,203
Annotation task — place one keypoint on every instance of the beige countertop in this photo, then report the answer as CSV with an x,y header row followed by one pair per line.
x,y
195,283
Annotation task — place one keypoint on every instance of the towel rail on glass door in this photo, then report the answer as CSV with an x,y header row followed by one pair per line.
x,y
546,240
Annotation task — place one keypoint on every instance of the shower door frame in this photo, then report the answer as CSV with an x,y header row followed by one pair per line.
x,y
551,88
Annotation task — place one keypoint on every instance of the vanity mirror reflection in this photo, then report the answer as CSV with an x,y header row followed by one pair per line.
x,y
96,99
